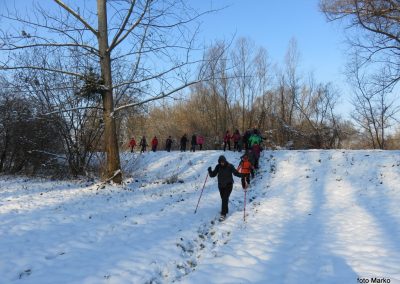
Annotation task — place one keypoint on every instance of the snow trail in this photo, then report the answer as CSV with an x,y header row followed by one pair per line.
x,y
312,217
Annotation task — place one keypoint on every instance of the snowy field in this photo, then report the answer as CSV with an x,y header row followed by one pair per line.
x,y
312,217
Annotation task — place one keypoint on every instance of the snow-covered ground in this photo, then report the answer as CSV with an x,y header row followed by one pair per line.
x,y
312,217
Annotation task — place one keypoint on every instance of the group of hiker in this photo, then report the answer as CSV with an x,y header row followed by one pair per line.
x,y
196,140
249,163
250,141
143,144
246,141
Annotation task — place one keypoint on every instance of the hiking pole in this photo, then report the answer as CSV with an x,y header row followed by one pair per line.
x,y
244,210
201,194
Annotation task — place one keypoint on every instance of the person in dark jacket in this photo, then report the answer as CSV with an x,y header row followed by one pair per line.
x,y
184,140
246,137
225,172
252,160
193,143
168,144
143,144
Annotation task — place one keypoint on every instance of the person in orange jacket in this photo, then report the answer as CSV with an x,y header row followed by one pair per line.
x,y
132,143
245,168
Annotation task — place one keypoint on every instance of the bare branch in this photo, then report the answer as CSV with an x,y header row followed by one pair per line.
x,y
87,47
122,28
70,109
77,16
155,76
158,97
43,69
47,153
117,39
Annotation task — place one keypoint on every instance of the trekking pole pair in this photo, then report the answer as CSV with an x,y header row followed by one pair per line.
x,y
201,194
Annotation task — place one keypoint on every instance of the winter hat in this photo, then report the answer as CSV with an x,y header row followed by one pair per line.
x,y
221,159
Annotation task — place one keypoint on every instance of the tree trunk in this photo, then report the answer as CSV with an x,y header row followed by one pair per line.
x,y
4,153
110,133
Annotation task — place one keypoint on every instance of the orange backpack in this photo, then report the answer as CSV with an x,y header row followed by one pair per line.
x,y
244,167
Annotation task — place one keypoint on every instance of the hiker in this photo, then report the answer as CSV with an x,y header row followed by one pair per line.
x,y
217,143
245,168
227,140
246,137
200,141
143,144
252,159
240,144
132,143
193,143
224,170
254,139
154,144
256,149
168,144
184,140
236,137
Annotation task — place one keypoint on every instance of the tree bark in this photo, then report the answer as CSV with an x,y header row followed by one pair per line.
x,y
110,133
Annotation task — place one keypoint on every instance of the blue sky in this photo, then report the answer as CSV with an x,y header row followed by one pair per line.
x,y
272,24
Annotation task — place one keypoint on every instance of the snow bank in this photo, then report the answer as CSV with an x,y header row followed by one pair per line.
x,y
313,217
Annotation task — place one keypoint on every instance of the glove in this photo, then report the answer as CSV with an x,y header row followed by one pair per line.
x,y
209,169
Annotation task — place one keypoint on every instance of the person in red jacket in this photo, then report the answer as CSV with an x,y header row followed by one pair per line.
x,y
200,141
227,140
154,144
236,137
256,149
132,143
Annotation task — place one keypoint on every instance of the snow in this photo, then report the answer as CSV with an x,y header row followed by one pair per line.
x,y
312,217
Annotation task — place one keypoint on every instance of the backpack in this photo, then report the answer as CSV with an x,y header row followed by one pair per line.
x,y
245,167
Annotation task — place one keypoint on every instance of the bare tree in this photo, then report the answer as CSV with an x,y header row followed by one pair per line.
x,y
287,93
316,118
243,72
374,111
292,58
262,82
66,103
27,143
374,31
151,38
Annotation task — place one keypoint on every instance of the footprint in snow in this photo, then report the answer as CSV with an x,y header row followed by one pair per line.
x,y
53,256
25,273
